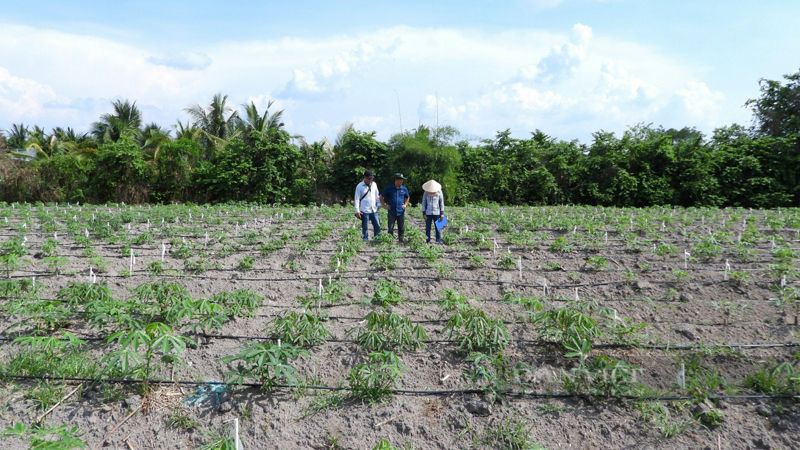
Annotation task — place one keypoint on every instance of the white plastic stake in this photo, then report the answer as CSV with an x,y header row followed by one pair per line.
x,y
86,232
727,269
576,295
682,376
606,237
686,256
163,251
33,283
519,262
133,261
320,288
783,281
544,288
237,442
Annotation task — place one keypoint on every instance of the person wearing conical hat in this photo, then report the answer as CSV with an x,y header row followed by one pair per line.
x,y
432,208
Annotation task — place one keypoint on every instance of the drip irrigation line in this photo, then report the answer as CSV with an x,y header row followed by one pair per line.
x,y
519,394
533,342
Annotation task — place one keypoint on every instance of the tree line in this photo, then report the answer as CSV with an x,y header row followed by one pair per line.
x,y
222,155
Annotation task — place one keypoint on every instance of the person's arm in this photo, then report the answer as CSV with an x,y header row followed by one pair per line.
x,y
356,202
424,202
441,205
377,198
405,203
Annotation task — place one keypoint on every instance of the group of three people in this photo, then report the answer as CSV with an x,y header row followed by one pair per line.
x,y
395,198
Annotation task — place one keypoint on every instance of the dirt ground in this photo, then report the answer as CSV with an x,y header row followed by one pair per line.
x,y
694,311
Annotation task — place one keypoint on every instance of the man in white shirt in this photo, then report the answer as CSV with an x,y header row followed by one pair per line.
x,y
367,203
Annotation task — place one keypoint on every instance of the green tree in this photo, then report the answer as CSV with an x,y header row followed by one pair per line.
x,y
124,121
121,172
175,165
261,168
423,155
776,112
353,153
216,122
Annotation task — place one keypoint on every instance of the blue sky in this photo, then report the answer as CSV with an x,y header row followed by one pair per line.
x,y
567,67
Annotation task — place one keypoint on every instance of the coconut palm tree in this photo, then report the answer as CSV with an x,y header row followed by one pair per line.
x,y
217,123
125,121
67,141
188,131
17,136
253,121
152,137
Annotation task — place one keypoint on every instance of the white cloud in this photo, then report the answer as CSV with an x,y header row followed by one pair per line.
x,y
618,85
701,102
23,98
367,122
182,61
563,61
332,74
567,84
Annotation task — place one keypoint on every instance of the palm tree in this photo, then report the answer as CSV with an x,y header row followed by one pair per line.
x,y
188,131
252,121
17,136
217,123
67,141
39,142
125,121
152,137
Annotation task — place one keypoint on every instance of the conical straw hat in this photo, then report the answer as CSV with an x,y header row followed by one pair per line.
x,y
431,186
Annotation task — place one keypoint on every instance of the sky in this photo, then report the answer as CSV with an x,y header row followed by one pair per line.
x,y
569,68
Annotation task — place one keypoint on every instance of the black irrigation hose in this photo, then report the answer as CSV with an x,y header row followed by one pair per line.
x,y
534,342
339,275
520,394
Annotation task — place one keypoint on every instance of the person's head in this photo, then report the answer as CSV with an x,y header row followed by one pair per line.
x,y
368,177
431,187
398,179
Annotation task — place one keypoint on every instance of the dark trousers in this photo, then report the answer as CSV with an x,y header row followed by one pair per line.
x,y
428,222
366,218
401,225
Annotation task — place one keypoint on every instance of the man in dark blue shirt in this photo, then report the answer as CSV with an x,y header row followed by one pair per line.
x,y
396,198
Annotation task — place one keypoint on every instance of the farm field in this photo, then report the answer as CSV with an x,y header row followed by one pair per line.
x,y
153,327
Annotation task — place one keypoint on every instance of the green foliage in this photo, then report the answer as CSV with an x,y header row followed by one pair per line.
x,y
474,331
41,438
267,363
494,374
596,263
372,380
561,245
388,331
565,326
353,153
302,329
387,293
387,260
139,349
602,375
259,169
122,173
510,434
426,154
175,163
384,444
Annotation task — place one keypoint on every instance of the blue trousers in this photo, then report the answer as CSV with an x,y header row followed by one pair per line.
x,y
428,222
366,218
